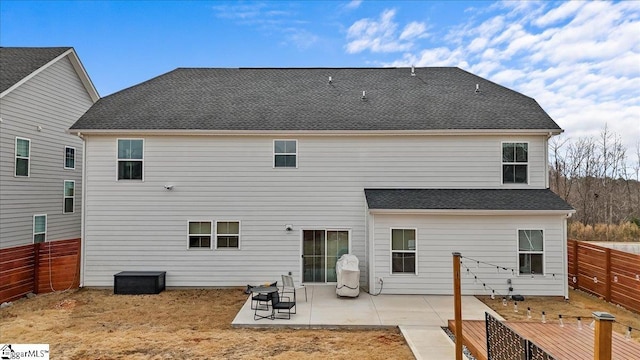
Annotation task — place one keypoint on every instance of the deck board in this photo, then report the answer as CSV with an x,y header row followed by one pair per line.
x,y
560,342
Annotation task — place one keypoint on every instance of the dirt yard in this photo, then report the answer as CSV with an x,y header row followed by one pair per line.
x,y
176,324
188,324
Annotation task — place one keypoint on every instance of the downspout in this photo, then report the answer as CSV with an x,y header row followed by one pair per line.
x,y
565,264
546,161
83,210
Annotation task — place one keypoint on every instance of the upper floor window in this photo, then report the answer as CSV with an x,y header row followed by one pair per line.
x,y
69,157
199,234
227,234
39,228
515,162
23,156
531,252
130,159
69,196
285,153
403,251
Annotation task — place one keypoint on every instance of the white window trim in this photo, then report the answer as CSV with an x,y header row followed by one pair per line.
x,y
211,235
65,158
215,232
391,251
273,149
144,150
33,228
16,157
543,252
65,197
528,163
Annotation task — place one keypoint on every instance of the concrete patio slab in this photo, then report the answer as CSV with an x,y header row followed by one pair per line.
x,y
419,317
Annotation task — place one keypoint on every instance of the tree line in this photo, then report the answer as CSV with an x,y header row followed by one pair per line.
x,y
598,176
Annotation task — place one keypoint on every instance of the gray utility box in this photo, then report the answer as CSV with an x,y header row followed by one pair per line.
x,y
139,282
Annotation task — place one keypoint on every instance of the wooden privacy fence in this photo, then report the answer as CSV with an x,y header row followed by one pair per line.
x,y
611,274
39,268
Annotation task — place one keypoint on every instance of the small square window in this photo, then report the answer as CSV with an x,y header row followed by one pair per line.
x,y
228,234
285,153
199,234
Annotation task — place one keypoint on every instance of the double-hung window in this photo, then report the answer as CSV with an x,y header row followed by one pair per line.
x,y
403,251
23,156
39,228
227,234
531,252
69,157
199,234
285,153
130,159
69,196
515,162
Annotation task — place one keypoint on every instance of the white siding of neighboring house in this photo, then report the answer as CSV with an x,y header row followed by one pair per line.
x,y
53,99
489,238
133,225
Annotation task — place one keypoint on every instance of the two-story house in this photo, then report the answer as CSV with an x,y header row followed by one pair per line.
x,y
43,91
226,177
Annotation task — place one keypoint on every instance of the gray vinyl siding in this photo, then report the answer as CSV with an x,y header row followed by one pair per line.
x,y
53,99
138,225
488,238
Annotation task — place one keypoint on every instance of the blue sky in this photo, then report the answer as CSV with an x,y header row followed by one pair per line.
x,y
579,60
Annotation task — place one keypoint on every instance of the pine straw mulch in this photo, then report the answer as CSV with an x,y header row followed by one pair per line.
x,y
176,324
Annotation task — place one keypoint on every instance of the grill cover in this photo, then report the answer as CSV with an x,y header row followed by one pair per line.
x,y
348,276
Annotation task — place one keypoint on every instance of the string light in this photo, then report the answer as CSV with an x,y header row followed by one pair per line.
x,y
627,335
575,279
493,294
615,278
504,301
592,326
579,323
515,306
560,320
544,318
529,313
595,279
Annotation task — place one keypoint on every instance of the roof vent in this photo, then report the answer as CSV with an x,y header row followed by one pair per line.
x,y
413,70
477,88
330,80
364,95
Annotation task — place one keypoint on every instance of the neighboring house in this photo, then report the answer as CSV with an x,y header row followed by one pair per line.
x,y
224,177
43,91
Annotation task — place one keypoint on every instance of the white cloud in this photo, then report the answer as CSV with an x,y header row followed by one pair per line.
x,y
380,35
353,4
579,60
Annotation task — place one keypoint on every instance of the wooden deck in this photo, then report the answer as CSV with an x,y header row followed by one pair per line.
x,y
560,342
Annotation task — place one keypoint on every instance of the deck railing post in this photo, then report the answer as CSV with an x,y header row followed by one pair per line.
x,y
36,267
607,269
457,297
603,335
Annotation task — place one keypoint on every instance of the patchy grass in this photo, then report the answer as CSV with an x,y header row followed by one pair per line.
x,y
183,324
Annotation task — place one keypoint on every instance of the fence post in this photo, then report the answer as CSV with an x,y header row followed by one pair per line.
x,y
36,267
607,269
576,268
457,297
603,335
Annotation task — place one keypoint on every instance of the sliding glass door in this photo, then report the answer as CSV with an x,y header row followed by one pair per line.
x,y
321,249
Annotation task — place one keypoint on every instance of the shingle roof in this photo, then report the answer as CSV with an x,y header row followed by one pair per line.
x,y
16,63
304,99
465,199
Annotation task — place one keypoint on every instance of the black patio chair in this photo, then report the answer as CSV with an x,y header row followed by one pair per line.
x,y
281,306
260,300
